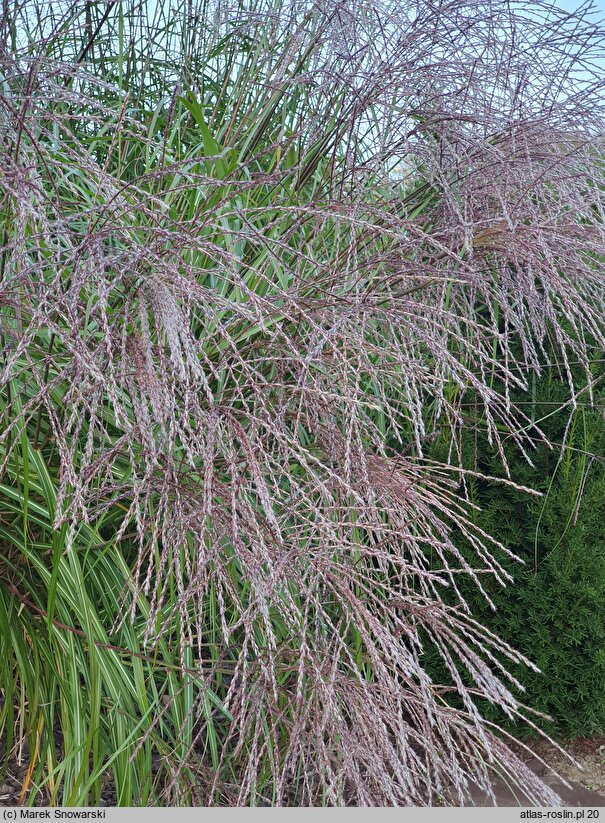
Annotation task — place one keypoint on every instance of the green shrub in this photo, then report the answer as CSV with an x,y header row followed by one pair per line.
x,y
554,613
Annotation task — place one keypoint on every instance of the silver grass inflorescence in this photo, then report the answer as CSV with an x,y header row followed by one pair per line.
x,y
241,288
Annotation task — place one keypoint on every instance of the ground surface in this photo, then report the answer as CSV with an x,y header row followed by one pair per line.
x,y
586,777
590,753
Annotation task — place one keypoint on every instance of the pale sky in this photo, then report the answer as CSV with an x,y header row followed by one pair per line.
x,y
573,4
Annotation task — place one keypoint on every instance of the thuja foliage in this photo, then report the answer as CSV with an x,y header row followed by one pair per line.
x,y
555,611
252,254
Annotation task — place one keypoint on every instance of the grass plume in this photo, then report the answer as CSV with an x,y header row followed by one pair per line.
x,y
251,255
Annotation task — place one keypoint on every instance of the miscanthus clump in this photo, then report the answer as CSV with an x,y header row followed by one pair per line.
x,y
252,255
